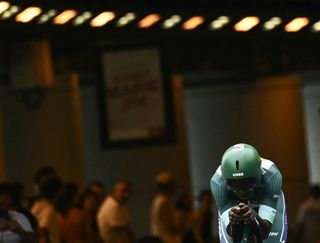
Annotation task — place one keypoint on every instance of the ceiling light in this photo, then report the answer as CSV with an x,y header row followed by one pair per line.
x,y
193,23
65,16
47,16
10,12
52,12
102,19
82,18
296,24
172,21
246,23
271,23
316,27
14,9
4,6
126,19
28,14
149,20
219,22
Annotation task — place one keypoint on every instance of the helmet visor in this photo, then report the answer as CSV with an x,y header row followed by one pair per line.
x,y
244,188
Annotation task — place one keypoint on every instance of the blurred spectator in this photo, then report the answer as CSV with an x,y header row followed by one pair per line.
x,y
88,203
113,216
14,226
98,188
184,207
43,173
164,222
308,217
45,212
40,175
70,218
16,191
203,218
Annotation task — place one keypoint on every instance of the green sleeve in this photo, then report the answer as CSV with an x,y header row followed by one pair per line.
x,y
219,191
267,209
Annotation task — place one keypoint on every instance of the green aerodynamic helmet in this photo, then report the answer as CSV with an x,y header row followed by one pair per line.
x,y
241,161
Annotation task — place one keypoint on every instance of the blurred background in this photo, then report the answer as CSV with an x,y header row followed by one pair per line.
x,y
224,72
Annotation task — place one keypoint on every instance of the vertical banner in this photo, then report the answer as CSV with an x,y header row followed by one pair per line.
x,y
135,96
311,102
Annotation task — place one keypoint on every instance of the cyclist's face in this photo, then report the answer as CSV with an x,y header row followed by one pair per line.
x,y
244,188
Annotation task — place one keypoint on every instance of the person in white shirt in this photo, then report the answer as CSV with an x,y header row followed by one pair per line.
x,y
14,226
44,210
113,216
164,216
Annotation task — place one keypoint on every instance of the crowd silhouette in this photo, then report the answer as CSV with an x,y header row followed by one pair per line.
x,y
60,212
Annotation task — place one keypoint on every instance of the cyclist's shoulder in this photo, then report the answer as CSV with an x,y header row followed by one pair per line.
x,y
217,177
271,180
269,168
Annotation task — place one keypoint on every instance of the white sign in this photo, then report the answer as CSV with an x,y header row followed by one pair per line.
x,y
134,94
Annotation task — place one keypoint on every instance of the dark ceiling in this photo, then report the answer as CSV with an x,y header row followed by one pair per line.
x,y
185,5
256,51
287,9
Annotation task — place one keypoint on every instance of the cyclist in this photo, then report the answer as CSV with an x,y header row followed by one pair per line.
x,y
247,191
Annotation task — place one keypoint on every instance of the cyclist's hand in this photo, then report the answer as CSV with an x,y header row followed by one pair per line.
x,y
235,215
248,214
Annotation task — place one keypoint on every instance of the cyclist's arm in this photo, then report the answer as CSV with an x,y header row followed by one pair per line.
x,y
223,202
267,209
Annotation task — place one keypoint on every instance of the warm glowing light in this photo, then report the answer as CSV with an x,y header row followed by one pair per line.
x,y
171,22
296,24
102,19
65,16
4,6
219,22
28,14
193,23
246,23
126,19
149,20
272,23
